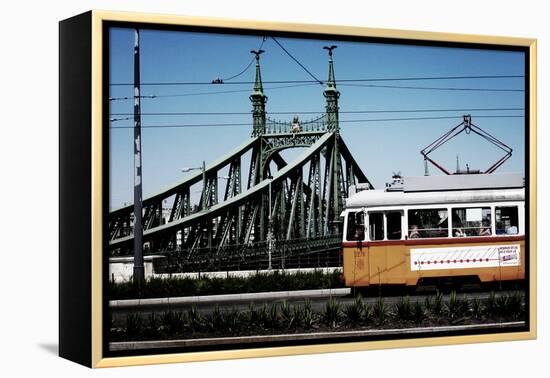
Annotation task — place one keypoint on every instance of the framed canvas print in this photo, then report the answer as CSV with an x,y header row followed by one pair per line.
x,y
234,189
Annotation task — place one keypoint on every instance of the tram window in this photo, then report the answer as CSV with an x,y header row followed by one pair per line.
x,y
506,220
376,226
428,223
393,220
472,221
356,226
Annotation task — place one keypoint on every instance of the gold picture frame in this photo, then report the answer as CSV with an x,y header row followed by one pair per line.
x,y
90,329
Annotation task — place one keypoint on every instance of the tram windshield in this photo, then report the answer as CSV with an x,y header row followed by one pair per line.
x,y
356,226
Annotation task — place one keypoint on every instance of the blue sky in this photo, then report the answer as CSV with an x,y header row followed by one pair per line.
x,y
380,148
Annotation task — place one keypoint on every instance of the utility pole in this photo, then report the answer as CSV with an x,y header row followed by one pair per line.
x,y
270,228
139,272
204,201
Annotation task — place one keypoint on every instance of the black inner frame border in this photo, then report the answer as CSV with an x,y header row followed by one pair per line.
x,y
107,25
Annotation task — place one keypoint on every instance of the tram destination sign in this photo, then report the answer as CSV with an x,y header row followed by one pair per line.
x,y
465,257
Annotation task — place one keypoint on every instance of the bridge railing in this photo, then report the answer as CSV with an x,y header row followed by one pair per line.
x,y
320,252
284,127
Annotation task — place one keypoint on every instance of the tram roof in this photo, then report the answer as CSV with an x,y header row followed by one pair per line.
x,y
376,198
494,189
462,182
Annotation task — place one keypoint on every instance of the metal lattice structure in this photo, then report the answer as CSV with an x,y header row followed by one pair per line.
x,y
291,209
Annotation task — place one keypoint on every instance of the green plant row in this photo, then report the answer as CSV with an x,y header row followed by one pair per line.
x,y
301,318
258,282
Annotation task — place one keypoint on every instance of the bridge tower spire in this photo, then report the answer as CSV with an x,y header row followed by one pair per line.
x,y
258,99
331,94
334,177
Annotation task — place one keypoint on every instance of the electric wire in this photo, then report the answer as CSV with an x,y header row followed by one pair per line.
x,y
319,112
302,85
341,121
316,81
297,61
206,93
224,80
435,88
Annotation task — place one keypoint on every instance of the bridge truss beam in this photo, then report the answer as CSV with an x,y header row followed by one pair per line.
x,y
307,195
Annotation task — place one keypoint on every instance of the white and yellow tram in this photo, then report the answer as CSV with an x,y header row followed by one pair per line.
x,y
436,227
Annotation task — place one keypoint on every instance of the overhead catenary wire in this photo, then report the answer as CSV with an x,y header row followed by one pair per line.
x,y
206,93
379,111
297,61
225,80
435,88
341,121
316,81
355,85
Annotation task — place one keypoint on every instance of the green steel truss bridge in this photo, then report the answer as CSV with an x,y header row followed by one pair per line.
x,y
283,217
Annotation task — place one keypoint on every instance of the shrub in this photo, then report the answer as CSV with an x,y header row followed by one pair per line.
x,y
332,312
172,323
456,307
134,325
262,316
115,331
491,306
437,307
477,308
502,304
354,312
308,319
298,315
153,325
215,321
516,307
112,323
380,311
418,312
273,317
246,315
428,304
367,313
259,282
258,315
404,309
195,320
288,318
233,321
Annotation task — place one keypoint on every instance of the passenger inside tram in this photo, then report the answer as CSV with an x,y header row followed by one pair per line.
x,y
458,231
356,226
499,228
485,230
414,233
359,232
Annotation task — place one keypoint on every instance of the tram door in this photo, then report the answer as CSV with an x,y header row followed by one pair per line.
x,y
356,267
377,251
396,259
385,252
